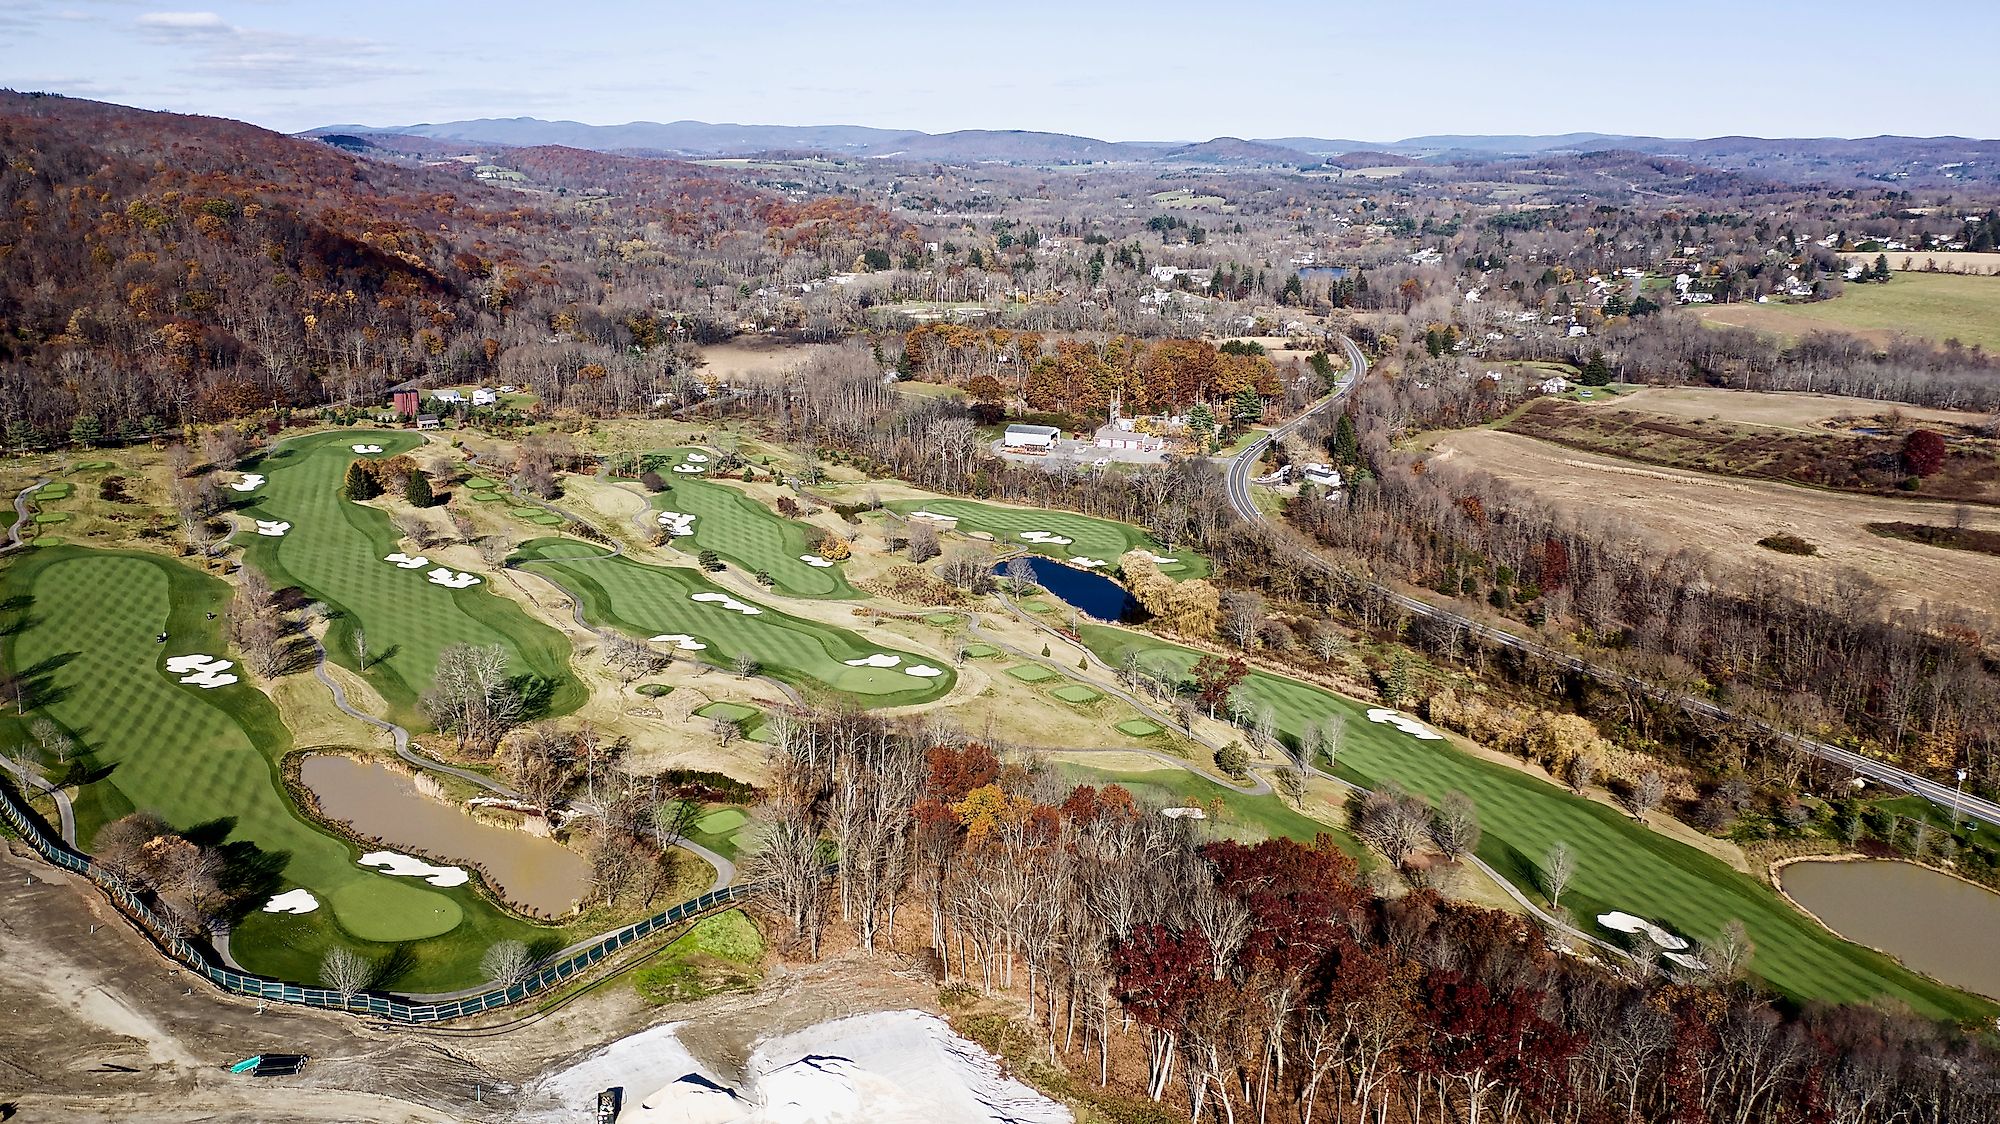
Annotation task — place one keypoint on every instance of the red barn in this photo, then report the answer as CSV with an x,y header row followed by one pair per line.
x,y
406,403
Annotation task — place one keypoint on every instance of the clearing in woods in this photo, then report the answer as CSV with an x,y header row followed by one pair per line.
x,y
1932,306
1624,866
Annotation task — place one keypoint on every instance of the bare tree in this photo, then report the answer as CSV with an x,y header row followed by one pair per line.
x,y
358,638
726,729
1020,576
346,971
1558,867
56,745
507,963
1242,616
672,819
1582,768
923,540
1455,825
1647,794
746,665
472,696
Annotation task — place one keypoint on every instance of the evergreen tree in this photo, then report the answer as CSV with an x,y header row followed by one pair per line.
x,y
86,430
1247,408
1596,372
1346,443
360,483
417,489
1201,421
1881,267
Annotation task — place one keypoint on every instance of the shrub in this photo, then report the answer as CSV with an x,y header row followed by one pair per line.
x,y
1787,543
1923,453
653,481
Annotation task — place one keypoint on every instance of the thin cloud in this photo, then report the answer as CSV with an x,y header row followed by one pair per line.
x,y
272,60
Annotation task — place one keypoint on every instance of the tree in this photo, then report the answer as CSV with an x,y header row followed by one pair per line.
x,y
346,972
1596,372
1020,576
359,639
1558,867
1346,448
1648,791
1924,453
746,665
1247,408
710,561
360,483
86,432
507,963
923,541
417,489
1215,678
1233,760
55,744
472,696
1455,825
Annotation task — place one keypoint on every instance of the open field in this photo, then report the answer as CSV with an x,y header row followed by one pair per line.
x,y
1099,540
206,760
742,530
1932,306
334,552
1915,261
1804,413
1623,865
1665,508
750,355
648,600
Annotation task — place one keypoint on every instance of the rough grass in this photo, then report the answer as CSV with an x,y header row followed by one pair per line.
x,y
754,537
1934,306
1623,865
334,553
719,954
1100,539
645,601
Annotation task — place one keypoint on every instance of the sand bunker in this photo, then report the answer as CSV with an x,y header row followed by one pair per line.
x,y
272,527
366,448
1626,923
879,659
1044,538
406,561
933,516
1184,813
922,671
698,458
1406,724
678,524
1692,963
1163,559
205,672
452,579
292,901
1086,563
814,561
727,602
688,468
389,862
679,640
251,482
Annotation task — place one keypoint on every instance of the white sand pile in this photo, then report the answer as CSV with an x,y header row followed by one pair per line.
x,y
407,561
879,659
698,458
365,449
688,468
727,602
389,862
815,561
679,640
1044,538
206,672
452,579
1086,563
292,901
1692,963
1404,723
1163,559
933,517
922,671
1626,923
1184,813
251,482
678,524
272,527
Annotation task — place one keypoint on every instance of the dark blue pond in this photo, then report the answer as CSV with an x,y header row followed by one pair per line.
x,y
1092,594
1330,272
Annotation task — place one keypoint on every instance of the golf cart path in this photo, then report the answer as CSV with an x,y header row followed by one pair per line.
x,y
21,516
65,811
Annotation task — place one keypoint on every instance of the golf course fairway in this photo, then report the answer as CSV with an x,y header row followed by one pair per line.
x,y
1091,538
741,530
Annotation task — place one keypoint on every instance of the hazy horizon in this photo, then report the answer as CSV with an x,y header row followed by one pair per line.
x,y
1170,70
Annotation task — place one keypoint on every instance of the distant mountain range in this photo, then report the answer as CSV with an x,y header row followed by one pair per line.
x,y
697,139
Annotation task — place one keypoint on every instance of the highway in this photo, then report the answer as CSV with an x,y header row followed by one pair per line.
x,y
1876,772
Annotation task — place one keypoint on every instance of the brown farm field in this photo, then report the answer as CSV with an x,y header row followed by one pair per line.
x,y
1665,509
1932,306
1806,413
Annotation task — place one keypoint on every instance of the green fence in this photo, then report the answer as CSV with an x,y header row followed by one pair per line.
x,y
193,958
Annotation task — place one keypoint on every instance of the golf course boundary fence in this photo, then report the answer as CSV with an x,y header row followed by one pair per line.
x,y
168,939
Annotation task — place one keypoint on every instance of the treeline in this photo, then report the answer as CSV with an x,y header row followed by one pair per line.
x,y
1081,377
1237,982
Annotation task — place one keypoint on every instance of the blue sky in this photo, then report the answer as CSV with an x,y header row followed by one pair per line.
x,y
1164,70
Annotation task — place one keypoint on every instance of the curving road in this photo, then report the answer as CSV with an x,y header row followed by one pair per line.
x,y
1879,772
1240,466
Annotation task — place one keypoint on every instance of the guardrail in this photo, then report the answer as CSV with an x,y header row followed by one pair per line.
x,y
191,957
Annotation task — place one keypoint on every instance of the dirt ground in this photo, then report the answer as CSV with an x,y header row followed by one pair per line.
x,y
1667,508
753,356
1798,412
95,1025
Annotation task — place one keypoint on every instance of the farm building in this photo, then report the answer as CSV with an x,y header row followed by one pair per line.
x,y
1122,434
404,403
429,421
448,396
1031,438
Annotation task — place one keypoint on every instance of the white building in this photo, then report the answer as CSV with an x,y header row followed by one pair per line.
x,y
1326,476
1030,438
485,396
448,396
1555,385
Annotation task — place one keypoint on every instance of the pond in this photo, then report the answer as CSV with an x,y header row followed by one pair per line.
x,y
1092,594
381,803
1939,925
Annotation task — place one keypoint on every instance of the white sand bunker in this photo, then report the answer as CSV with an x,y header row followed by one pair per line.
x,y
1044,538
727,602
933,516
390,862
815,561
1626,923
689,468
292,901
1184,813
923,671
1404,723
679,640
452,579
272,527
251,482
205,672
678,524
366,448
1163,559
879,659
698,458
407,561
1692,963
1086,563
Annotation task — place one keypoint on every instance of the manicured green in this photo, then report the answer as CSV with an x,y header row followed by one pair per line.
x,y
1101,540
91,466
721,821
208,759
645,600
47,517
1236,816
741,530
1621,865
728,711
1138,728
489,496
980,651
53,491
942,620
655,690
719,954
480,483
335,551
1076,693
1031,673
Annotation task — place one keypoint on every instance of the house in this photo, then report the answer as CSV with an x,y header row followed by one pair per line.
x,y
429,421
1030,438
452,396
485,396
1120,434
1326,476
1556,385
404,403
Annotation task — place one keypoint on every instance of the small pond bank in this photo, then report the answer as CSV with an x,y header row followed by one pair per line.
x,y
1092,594
1933,922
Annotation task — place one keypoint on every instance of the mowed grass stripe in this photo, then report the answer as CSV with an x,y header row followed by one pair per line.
x,y
334,552
740,529
648,601
1100,539
1621,865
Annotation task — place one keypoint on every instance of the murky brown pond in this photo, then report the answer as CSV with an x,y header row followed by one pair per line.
x,y
1935,923
528,870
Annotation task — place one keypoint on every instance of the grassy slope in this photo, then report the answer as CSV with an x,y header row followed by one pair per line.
x,y
1622,865
1935,306
753,536
652,600
1249,818
1100,539
335,550
210,757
